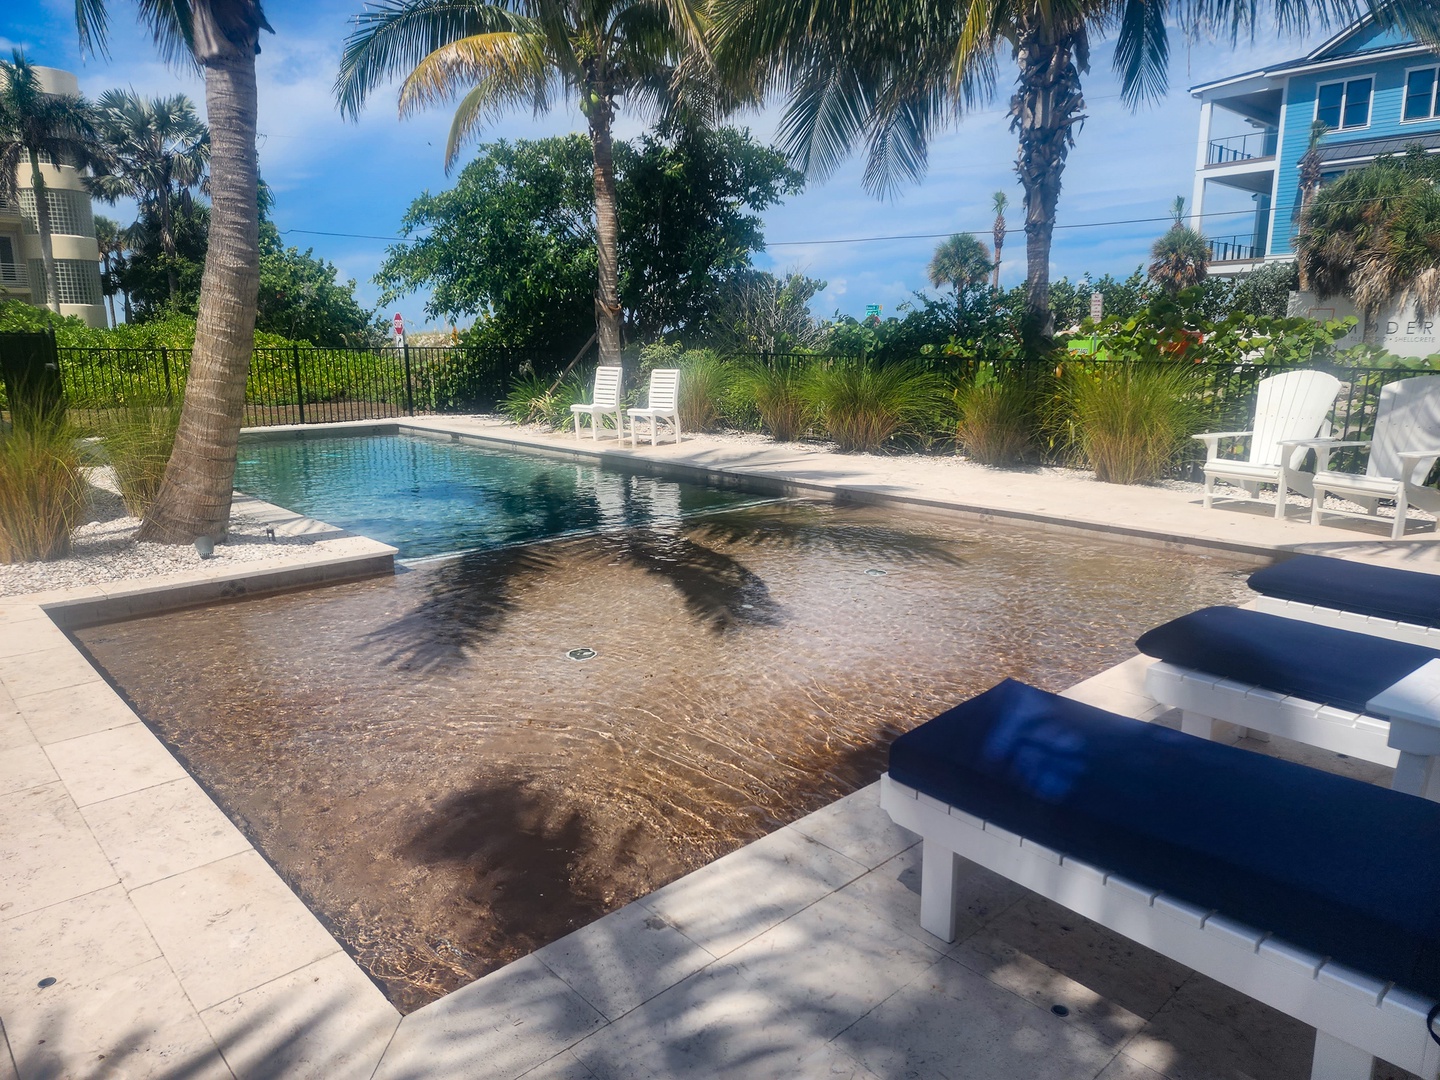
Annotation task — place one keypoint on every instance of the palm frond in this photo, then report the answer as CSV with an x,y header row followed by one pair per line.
x,y
496,60
1142,51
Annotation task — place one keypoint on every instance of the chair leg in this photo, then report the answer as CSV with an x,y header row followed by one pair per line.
x,y
1338,1060
937,890
1209,491
1397,531
577,427
677,429
1416,774
1282,491
1317,505
1202,727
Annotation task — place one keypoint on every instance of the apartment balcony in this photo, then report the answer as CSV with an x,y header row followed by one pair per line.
x,y
1254,146
13,277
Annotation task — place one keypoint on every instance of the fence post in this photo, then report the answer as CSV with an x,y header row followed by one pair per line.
x,y
409,387
165,367
299,385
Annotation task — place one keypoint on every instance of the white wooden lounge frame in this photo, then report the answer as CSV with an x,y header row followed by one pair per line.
x,y
1413,633
1400,729
1356,1017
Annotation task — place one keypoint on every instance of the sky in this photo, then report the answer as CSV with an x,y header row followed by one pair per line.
x,y
332,176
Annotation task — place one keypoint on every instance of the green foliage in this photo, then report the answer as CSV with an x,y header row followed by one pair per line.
x,y
997,419
704,388
1130,420
43,494
1179,260
137,439
301,298
760,312
864,404
539,399
777,389
513,241
961,262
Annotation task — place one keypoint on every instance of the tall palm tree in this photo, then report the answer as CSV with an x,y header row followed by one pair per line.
x,y
1181,258
156,153
110,238
35,125
962,262
889,74
1000,202
221,37
646,54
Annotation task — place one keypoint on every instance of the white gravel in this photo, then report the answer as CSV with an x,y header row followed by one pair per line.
x,y
105,549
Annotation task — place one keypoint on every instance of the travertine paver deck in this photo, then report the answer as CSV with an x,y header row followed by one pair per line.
x,y
177,950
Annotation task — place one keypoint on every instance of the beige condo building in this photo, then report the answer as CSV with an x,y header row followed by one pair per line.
x,y
72,230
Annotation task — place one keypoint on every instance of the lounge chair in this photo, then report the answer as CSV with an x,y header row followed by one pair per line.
x,y
662,403
1349,693
1403,605
604,401
1405,446
1315,894
1288,407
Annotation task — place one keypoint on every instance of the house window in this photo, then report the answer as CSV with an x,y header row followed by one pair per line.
x,y
1420,93
1344,105
78,279
10,271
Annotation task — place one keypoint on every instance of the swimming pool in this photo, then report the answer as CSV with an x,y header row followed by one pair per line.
x,y
434,774
429,496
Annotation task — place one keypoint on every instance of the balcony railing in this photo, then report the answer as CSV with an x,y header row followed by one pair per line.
x,y
1256,144
1234,249
13,276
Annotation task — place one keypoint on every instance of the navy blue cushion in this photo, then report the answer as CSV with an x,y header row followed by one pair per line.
x,y
1288,656
1342,868
1382,591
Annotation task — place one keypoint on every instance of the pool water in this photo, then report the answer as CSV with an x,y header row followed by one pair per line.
x,y
430,497
449,790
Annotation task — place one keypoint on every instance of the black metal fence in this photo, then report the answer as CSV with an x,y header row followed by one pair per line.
x,y
306,385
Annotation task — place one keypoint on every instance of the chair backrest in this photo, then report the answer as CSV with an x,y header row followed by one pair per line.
x,y
1290,406
1408,419
607,387
664,388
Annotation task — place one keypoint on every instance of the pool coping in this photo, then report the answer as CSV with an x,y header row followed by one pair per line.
x,y
167,898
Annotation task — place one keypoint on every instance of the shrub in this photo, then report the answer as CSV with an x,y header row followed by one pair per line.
x,y
540,399
43,494
138,440
997,419
865,404
1130,420
704,385
777,391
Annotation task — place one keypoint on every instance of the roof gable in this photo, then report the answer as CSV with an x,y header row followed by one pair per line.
x,y
1367,35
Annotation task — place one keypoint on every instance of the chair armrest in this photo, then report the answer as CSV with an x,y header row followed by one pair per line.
x,y
1211,439
1417,455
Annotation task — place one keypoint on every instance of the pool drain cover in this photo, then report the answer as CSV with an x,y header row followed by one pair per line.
x,y
1059,1010
875,573
582,654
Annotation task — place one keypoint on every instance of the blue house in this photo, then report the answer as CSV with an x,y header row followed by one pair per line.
x,y
1374,87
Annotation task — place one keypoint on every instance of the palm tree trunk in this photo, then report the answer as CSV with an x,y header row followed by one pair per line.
x,y
607,234
42,226
194,497
110,298
999,247
1044,111
167,240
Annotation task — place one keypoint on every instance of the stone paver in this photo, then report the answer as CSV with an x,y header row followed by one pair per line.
x,y
163,830
23,766
47,854
71,711
114,762
326,1021
229,926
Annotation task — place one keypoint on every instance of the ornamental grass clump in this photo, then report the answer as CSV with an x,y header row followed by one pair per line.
x,y
864,404
779,391
541,399
138,441
43,494
1130,421
997,419
704,385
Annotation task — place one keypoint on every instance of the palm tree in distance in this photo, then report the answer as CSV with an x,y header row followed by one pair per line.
x,y
1180,259
890,74
962,262
112,242
36,128
156,152
1001,202
221,37
644,54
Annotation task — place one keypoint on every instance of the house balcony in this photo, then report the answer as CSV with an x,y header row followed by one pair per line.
x,y
1235,249
1253,146
13,277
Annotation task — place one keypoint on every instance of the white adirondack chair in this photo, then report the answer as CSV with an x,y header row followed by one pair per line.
x,y
663,403
604,401
1288,407
1405,446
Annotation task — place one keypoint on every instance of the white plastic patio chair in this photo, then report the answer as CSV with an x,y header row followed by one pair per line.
x,y
663,403
1405,446
604,401
1288,407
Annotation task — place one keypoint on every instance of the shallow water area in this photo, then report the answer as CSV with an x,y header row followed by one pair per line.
x,y
436,776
